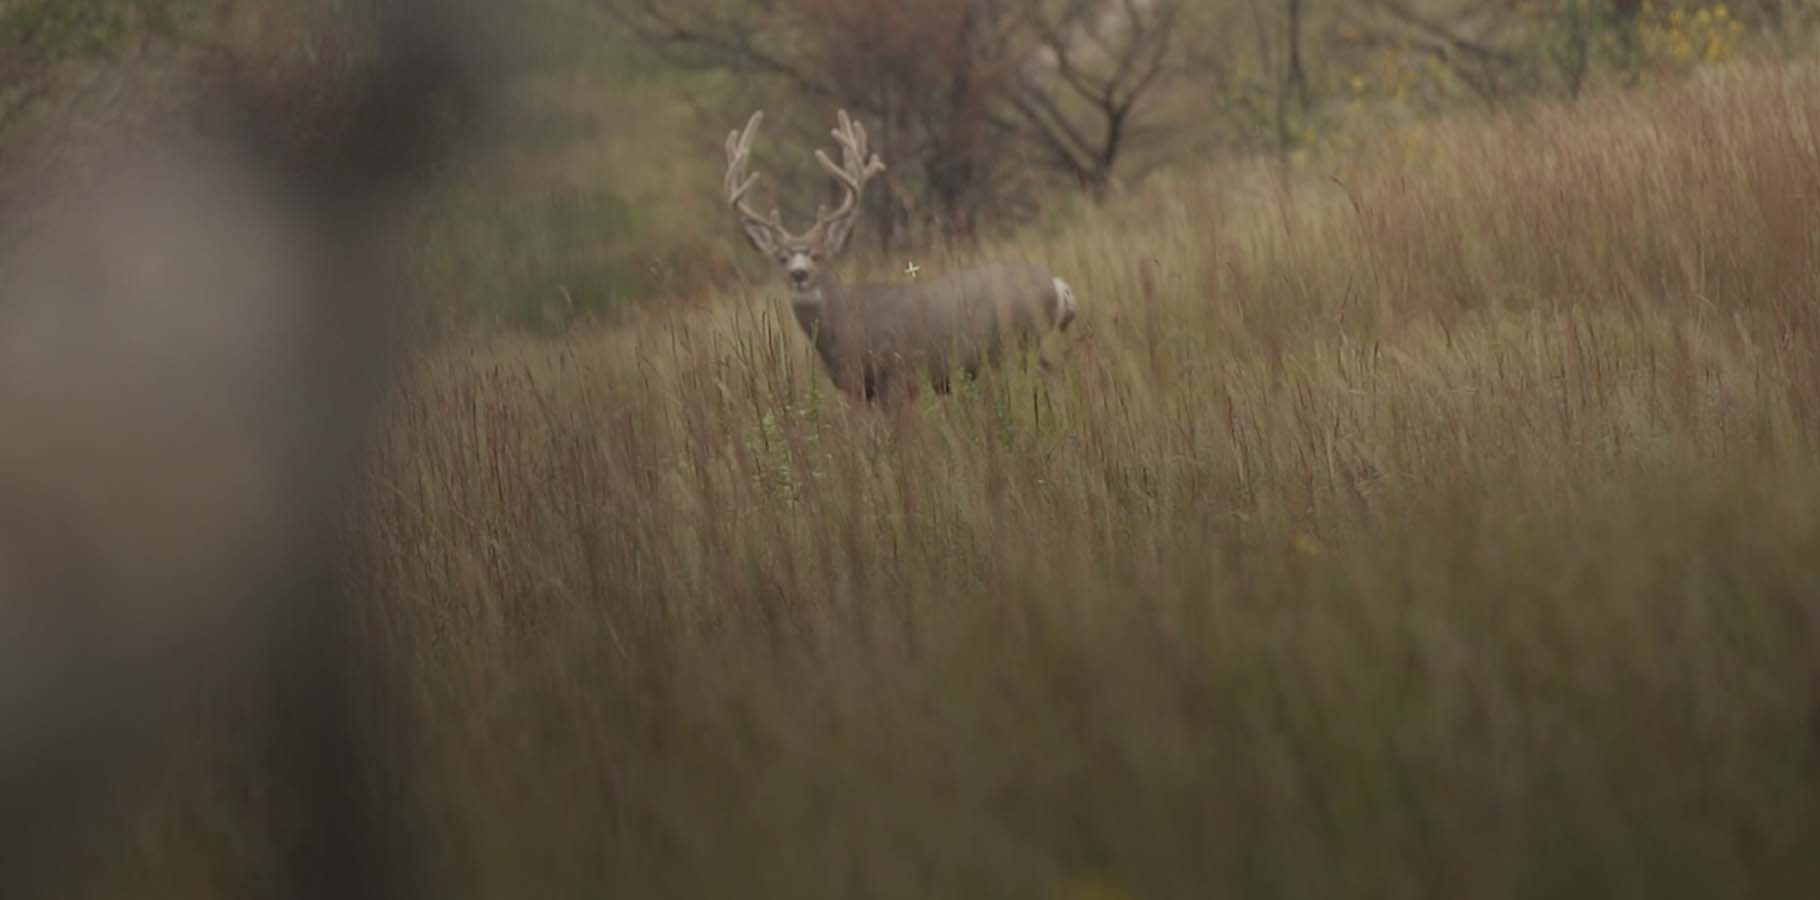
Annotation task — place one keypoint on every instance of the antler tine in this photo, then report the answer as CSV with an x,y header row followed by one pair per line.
x,y
738,181
855,168
739,141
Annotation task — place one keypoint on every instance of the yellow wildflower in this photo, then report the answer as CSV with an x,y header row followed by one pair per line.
x,y
1091,888
1307,545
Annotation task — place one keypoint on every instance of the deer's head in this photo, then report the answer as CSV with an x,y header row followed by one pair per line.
x,y
802,256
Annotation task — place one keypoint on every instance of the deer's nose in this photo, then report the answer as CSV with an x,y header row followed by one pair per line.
x,y
799,275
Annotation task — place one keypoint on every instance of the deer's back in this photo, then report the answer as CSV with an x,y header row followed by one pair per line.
x,y
970,310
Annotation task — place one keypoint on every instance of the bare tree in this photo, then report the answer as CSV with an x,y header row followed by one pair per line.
x,y
1107,56
1501,49
1473,38
967,94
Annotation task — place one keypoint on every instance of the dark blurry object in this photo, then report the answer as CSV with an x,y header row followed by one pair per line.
x,y
194,333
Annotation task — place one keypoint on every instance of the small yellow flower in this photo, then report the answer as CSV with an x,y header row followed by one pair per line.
x,y
1307,545
1094,889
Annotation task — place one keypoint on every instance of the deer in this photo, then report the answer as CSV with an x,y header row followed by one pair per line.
x,y
883,340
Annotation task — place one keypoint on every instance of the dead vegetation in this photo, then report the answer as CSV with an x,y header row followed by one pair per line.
x,y
1448,527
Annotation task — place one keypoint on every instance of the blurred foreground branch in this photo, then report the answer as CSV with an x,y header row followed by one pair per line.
x,y
197,323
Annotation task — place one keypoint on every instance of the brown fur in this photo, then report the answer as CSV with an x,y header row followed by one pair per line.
x,y
874,336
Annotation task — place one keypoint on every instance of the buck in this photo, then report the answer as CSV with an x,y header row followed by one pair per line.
x,y
883,338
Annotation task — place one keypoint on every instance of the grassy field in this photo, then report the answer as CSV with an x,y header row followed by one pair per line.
x,y
1447,527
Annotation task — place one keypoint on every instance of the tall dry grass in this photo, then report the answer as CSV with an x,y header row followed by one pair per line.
x,y
1449,527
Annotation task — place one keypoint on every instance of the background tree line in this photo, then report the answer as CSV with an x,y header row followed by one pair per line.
x,y
984,105
992,114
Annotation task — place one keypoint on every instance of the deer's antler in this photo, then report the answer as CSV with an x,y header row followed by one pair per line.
x,y
854,171
762,231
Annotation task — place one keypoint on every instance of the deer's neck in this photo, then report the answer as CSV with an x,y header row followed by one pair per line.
x,y
820,312
832,322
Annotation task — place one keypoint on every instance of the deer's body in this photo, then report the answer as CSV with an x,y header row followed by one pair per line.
x,y
878,337
872,336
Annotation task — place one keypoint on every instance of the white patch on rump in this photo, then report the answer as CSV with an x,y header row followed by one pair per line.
x,y
1064,304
